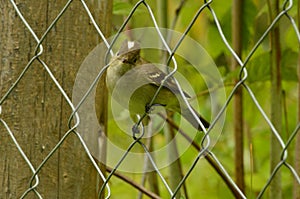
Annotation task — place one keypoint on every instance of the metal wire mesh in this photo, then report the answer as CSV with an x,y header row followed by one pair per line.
x,y
203,151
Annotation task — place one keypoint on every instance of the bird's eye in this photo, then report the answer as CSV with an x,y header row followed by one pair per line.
x,y
134,59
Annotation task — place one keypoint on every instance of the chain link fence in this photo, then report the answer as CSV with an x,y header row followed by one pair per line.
x,y
204,148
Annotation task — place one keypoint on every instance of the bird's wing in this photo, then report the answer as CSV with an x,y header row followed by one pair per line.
x,y
156,76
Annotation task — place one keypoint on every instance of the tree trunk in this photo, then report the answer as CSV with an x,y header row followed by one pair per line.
x,y
35,110
276,112
296,188
237,21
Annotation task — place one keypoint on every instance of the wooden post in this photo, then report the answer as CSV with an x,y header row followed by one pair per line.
x,y
35,110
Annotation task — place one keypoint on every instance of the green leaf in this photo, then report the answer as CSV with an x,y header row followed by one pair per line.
x,y
291,39
289,61
249,13
259,68
121,8
124,8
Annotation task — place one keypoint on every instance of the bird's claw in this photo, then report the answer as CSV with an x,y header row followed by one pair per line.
x,y
149,107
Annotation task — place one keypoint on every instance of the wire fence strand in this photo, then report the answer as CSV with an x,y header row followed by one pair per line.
x,y
206,140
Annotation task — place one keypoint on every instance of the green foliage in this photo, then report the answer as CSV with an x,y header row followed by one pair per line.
x,y
121,8
255,16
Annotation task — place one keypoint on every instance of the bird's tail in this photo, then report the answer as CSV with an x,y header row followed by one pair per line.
x,y
186,113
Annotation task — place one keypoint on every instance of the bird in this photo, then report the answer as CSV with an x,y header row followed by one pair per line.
x,y
130,74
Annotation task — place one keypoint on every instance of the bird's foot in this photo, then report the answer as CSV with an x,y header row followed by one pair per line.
x,y
149,108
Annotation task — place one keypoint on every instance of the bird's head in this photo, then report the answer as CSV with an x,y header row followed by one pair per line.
x,y
129,52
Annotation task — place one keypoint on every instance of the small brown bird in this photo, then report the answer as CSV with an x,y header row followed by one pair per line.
x,y
129,74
